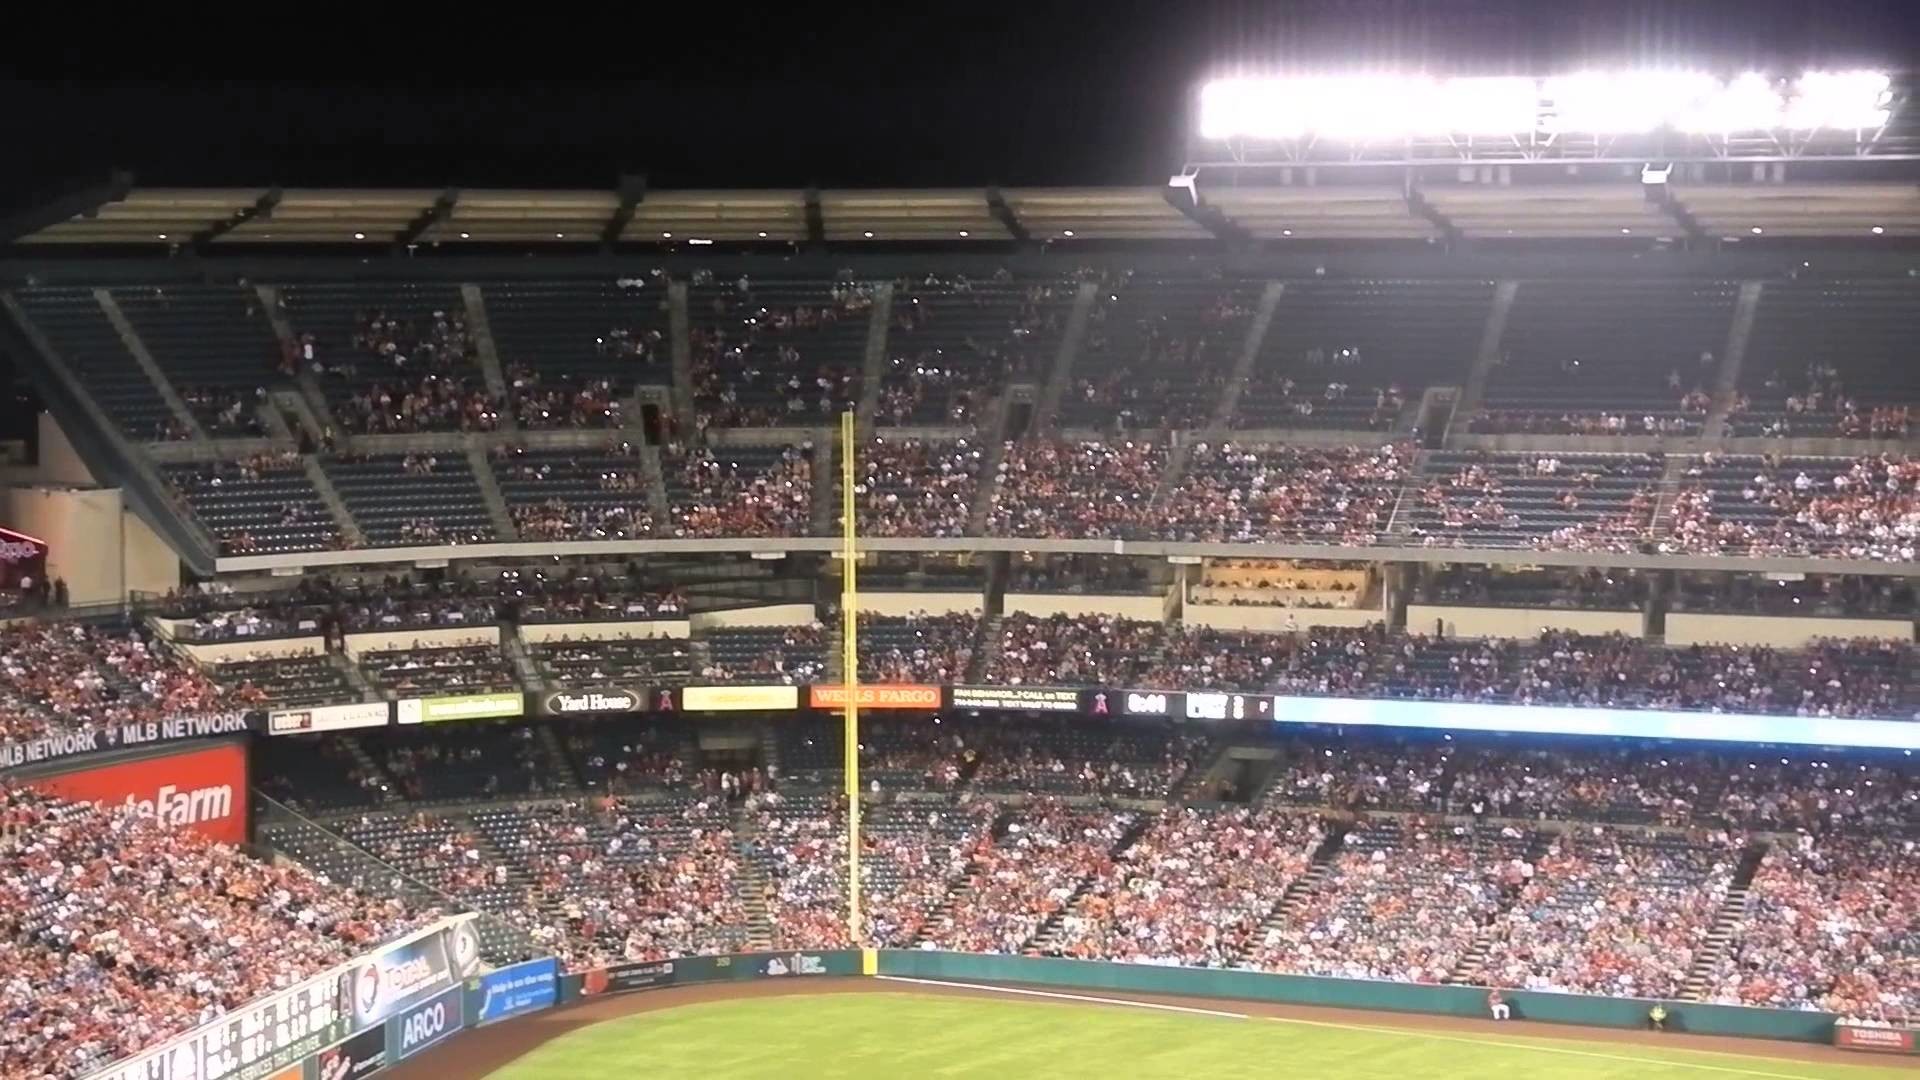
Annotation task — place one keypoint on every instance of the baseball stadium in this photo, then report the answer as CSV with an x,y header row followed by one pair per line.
x,y
1425,588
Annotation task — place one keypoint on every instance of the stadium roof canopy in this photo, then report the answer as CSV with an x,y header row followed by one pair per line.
x,y
1301,206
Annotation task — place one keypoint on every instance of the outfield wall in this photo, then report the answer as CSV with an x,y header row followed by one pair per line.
x,y
1465,1001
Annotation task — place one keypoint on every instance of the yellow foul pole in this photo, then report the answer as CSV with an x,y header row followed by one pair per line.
x,y
850,675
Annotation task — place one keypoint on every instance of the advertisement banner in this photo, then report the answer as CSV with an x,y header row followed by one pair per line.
x,y
592,702
876,696
1873,1040
739,698
396,979
204,790
1617,723
434,710
117,736
1037,698
269,1038
620,978
359,714
361,1055
794,964
416,1028
512,991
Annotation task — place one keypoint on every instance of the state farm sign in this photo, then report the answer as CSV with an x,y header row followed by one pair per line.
x,y
203,790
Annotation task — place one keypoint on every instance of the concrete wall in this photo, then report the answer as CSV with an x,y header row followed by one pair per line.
x,y
1777,631
433,638
59,462
535,633
899,604
82,528
1521,622
771,615
150,563
227,652
1273,620
1151,608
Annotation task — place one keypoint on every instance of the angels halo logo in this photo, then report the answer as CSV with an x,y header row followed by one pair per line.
x,y
369,988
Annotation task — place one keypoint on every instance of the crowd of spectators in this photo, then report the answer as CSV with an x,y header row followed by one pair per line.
x,y
543,401
1028,875
1192,890
1405,901
913,488
557,519
424,377
1605,911
1286,494
1866,677
121,932
918,648
1069,650
630,880
1830,926
61,678
1076,491
728,499
1868,509
801,843
752,362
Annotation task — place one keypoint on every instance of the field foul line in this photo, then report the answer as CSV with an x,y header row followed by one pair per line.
x,y
1628,1058
1057,996
1404,1032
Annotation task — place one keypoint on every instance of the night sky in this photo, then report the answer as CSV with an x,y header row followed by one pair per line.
x,y
846,95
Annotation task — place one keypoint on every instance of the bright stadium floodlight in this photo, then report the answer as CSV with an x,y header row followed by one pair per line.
x,y
1839,99
1361,108
1624,102
1748,103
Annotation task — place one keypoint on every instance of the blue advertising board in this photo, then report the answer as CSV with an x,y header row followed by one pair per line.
x,y
417,1027
514,991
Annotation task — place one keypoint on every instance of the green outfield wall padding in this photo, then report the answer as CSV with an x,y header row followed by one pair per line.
x,y
1356,994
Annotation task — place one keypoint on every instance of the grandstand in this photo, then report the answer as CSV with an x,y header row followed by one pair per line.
x,y
1207,544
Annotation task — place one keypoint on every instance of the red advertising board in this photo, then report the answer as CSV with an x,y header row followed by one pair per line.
x,y
204,790
1873,1040
876,696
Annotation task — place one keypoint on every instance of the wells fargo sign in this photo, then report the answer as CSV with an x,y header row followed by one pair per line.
x,y
876,696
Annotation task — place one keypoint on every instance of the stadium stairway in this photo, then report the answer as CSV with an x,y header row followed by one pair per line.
x,y
1467,971
489,352
1045,938
1243,362
753,881
558,760
680,349
1318,868
941,914
483,478
137,348
989,648
873,362
358,680
336,506
389,788
1726,921
523,666
1061,372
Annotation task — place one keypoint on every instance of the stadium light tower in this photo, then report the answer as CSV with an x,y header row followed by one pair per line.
x,y
1627,117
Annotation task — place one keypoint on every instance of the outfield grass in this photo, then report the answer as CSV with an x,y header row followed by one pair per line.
x,y
912,1035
